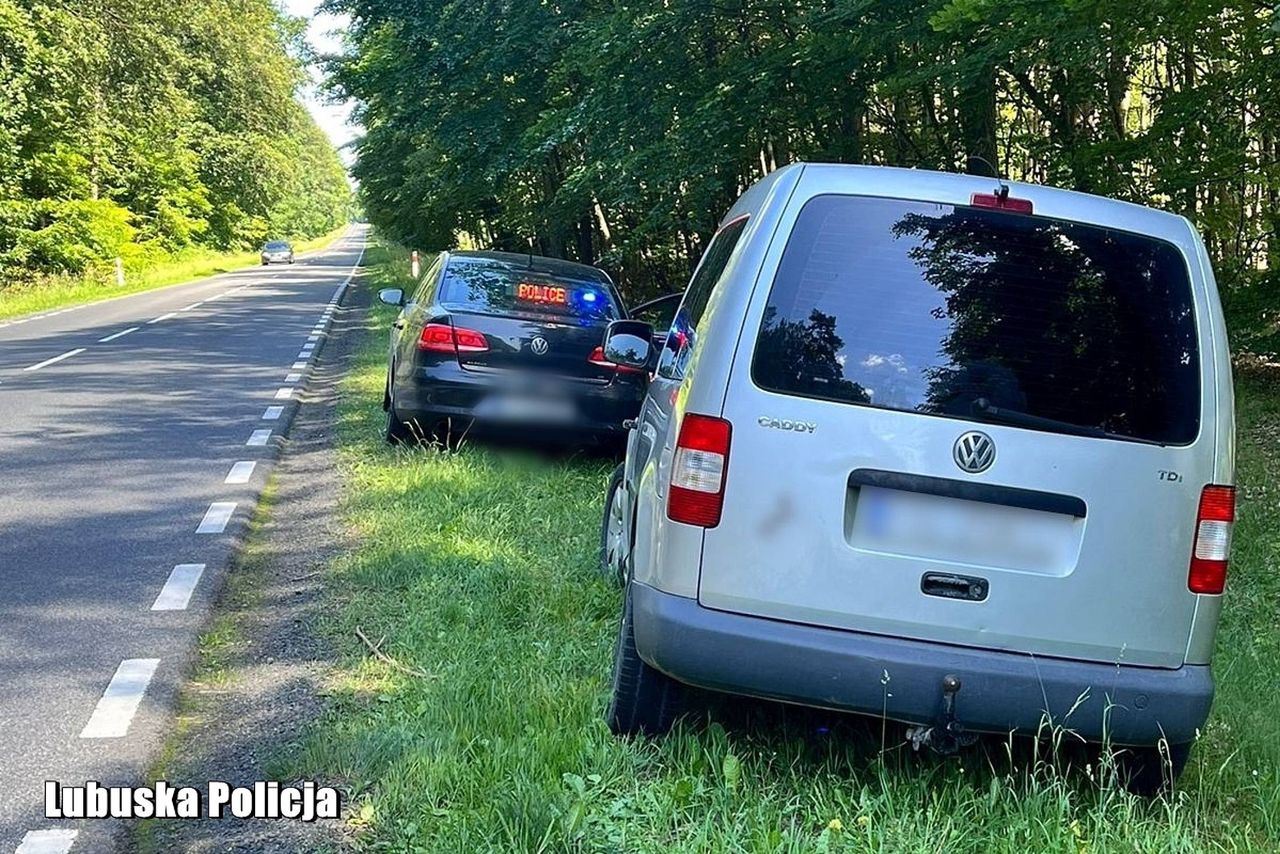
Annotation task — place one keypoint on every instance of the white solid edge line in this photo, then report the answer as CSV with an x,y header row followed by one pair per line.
x,y
258,438
285,393
273,413
293,378
176,593
161,317
54,841
216,517
55,359
115,711
119,334
241,472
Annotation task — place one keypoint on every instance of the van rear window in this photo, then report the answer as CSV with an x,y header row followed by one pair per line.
x,y
964,312
494,287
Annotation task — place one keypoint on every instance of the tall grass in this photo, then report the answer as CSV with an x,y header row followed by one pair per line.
x,y
477,570
194,263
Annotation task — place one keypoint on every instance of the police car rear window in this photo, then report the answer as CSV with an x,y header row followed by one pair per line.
x,y
498,288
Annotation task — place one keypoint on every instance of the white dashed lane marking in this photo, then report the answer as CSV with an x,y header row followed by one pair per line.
x,y
284,393
216,517
193,305
313,337
47,362
298,366
56,841
119,703
273,413
176,593
161,317
293,378
240,472
258,438
120,334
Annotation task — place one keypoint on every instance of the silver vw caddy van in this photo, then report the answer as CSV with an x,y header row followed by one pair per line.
x,y
934,447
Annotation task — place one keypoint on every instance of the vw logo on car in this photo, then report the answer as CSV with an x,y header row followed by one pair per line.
x,y
974,452
539,346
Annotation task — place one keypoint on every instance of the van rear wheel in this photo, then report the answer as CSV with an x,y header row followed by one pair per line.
x,y
645,701
1150,771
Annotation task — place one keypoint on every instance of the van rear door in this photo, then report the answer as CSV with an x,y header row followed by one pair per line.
x,y
969,426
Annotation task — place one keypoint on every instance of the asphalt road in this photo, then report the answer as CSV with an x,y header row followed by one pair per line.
x,y
120,463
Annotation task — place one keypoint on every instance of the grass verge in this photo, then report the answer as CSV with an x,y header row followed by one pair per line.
x,y
479,569
59,292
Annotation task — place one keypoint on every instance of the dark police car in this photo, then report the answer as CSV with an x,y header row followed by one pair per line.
x,y
511,341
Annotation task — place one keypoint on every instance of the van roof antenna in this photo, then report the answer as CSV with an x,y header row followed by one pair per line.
x,y
530,253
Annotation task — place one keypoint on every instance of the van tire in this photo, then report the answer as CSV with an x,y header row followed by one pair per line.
x,y
1151,771
645,700
612,565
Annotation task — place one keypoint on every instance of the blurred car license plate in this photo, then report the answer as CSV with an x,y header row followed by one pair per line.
x,y
953,530
519,408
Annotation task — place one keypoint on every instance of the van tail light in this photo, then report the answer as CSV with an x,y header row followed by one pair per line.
x,y
699,470
1213,540
1002,201
443,338
597,358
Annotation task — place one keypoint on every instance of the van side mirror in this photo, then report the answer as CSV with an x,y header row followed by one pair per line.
x,y
392,296
628,343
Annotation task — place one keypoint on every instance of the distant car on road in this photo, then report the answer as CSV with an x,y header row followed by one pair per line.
x,y
511,341
944,450
277,252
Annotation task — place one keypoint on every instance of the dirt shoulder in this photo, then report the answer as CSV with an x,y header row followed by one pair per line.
x,y
262,669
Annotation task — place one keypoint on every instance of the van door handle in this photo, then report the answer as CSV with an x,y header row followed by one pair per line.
x,y
399,324
950,586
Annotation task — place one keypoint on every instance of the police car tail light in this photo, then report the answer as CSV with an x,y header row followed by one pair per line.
x,y
1212,548
443,338
699,470
597,358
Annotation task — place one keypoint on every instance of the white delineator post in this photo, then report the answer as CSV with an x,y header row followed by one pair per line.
x,y
414,266
119,273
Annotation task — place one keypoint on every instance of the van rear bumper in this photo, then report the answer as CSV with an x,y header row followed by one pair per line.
x,y
1001,691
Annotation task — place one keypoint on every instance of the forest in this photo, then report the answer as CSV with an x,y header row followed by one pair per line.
x,y
142,128
619,133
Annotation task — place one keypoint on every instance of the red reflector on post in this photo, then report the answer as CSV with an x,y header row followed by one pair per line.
x,y
1212,548
1002,202
443,338
698,472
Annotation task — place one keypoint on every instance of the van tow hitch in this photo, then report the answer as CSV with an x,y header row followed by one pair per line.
x,y
948,735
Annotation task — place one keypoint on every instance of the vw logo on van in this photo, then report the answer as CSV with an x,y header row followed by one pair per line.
x,y
539,346
974,452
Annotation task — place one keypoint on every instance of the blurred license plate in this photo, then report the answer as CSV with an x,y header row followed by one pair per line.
x,y
539,410
952,530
